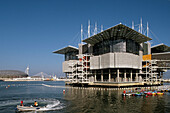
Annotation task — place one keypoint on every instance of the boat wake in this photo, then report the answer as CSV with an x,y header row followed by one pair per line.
x,y
54,105
44,104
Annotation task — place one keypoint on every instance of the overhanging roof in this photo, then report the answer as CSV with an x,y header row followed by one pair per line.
x,y
66,50
118,31
160,48
164,53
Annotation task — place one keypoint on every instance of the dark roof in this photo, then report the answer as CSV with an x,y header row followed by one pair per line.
x,y
66,50
163,59
160,48
118,31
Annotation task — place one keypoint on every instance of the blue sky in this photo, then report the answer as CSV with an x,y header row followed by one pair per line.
x,y
30,30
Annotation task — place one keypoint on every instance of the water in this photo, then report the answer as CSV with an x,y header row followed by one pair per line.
x,y
76,100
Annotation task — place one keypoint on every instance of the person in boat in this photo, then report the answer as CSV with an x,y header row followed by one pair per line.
x,y
35,104
21,103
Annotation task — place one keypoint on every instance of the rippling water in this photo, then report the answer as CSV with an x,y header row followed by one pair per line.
x,y
77,100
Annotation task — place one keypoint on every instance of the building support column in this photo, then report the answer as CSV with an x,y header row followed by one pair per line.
x,y
131,75
137,76
69,76
95,77
109,75
101,75
125,76
117,75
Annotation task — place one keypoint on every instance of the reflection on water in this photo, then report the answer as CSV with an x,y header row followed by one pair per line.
x,y
78,100
102,101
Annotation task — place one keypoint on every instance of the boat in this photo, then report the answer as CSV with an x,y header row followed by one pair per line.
x,y
28,108
159,93
145,92
149,93
153,93
127,94
138,94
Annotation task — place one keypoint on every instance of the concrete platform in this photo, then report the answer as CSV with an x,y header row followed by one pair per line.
x,y
114,84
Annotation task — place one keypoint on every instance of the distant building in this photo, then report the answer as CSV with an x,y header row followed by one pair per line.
x,y
12,74
118,56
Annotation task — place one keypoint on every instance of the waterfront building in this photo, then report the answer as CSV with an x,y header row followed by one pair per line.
x,y
116,57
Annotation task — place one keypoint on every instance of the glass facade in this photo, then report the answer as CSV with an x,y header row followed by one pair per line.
x,y
71,56
132,47
118,45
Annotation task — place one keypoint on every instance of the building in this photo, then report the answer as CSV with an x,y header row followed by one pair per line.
x,y
116,57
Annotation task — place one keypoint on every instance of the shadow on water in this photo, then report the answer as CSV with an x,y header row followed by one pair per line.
x,y
111,101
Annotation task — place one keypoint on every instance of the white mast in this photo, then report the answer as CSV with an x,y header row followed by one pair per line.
x,y
147,30
132,25
95,29
42,75
27,70
139,28
141,25
149,44
89,28
81,33
101,28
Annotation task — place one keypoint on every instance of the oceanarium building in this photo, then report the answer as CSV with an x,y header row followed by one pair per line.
x,y
116,57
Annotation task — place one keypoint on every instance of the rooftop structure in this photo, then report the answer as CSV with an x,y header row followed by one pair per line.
x,y
118,56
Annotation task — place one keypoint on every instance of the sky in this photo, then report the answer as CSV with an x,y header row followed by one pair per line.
x,y
30,30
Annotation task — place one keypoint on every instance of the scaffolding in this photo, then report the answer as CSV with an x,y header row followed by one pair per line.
x,y
80,70
153,70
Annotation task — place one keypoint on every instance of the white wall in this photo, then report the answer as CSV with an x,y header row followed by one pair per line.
x,y
115,60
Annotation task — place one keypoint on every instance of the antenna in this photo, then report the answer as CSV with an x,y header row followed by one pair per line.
x,y
141,25
132,25
89,28
95,29
27,70
101,28
81,33
147,30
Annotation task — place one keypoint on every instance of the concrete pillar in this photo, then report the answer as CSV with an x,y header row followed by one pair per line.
x,y
117,75
95,77
109,75
131,75
66,75
80,49
101,75
125,76
141,55
137,76
149,47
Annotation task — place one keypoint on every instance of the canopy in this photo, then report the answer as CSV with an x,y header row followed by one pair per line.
x,y
66,50
160,48
118,31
